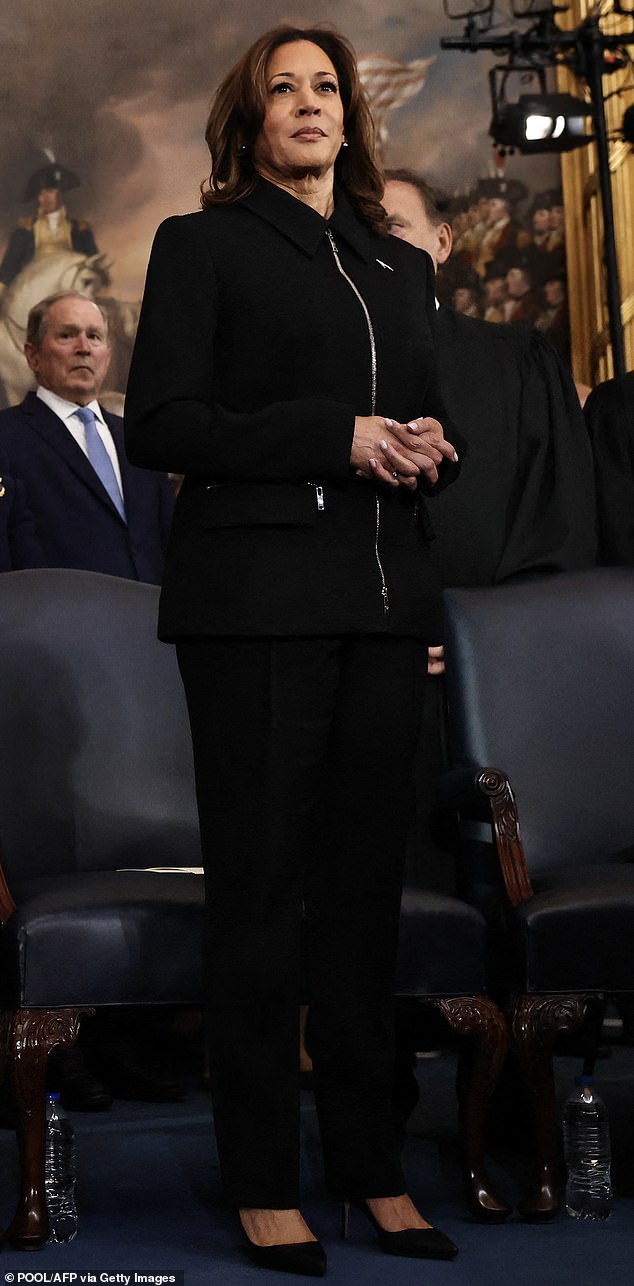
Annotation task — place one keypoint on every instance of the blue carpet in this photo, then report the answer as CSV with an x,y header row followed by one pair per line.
x,y
149,1201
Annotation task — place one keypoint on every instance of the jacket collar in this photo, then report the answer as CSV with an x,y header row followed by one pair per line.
x,y
302,225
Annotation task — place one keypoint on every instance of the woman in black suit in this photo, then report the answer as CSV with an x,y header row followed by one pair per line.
x,y
279,327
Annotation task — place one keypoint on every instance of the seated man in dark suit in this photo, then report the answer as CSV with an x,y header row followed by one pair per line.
x,y
92,509
19,545
609,414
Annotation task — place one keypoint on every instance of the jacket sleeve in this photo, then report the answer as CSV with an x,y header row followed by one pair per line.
x,y
166,501
173,421
448,470
24,544
553,509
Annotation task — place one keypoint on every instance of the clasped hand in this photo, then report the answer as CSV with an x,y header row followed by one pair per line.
x,y
398,454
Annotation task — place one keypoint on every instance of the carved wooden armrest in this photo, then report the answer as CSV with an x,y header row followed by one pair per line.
x,y
462,788
495,785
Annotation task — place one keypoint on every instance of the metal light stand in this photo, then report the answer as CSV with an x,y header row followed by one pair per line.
x,y
583,52
592,53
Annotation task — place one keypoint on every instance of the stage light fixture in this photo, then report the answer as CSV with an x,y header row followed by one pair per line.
x,y
541,123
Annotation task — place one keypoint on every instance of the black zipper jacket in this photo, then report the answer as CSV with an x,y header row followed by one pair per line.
x,y
264,330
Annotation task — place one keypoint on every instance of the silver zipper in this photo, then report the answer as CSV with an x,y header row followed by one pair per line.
x,y
368,320
319,494
366,314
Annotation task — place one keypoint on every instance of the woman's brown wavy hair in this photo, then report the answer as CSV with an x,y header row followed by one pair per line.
x,y
238,111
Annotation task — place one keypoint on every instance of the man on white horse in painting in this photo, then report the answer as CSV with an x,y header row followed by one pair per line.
x,y
48,231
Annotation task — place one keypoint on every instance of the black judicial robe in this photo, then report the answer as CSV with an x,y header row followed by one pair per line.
x,y
524,504
609,414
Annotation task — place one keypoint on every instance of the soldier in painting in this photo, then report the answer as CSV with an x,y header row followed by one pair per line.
x,y
50,229
503,235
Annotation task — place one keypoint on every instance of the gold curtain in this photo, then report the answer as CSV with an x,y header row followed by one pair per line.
x,y
591,349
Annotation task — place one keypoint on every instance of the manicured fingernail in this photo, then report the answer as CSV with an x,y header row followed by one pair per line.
x,y
455,456
373,463
383,445
388,423
414,426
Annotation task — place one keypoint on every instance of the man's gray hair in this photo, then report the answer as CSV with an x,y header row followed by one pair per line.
x,y
37,322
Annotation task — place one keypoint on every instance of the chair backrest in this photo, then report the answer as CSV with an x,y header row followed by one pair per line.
x,y
540,682
96,765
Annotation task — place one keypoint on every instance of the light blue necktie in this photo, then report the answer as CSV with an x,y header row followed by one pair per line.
x,y
99,458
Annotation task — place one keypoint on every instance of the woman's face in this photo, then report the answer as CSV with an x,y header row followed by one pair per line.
x,y
302,130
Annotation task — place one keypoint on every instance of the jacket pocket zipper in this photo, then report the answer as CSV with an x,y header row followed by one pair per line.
x,y
319,495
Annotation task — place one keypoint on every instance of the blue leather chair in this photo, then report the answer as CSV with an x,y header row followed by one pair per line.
x,y
96,784
541,726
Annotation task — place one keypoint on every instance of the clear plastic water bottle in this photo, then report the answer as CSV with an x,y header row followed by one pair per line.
x,y
587,1153
59,1172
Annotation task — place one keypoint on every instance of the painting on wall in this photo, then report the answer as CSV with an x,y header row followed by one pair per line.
x,y
101,137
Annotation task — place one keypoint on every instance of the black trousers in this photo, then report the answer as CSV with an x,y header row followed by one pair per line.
x,y
303,751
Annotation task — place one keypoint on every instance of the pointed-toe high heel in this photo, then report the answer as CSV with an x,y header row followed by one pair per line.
x,y
305,1257
410,1243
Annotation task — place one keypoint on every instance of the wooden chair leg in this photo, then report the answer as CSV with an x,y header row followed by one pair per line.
x,y
33,1034
535,1023
6,1028
479,1066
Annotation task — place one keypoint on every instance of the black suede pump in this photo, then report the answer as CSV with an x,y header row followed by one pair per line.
x,y
305,1257
410,1243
